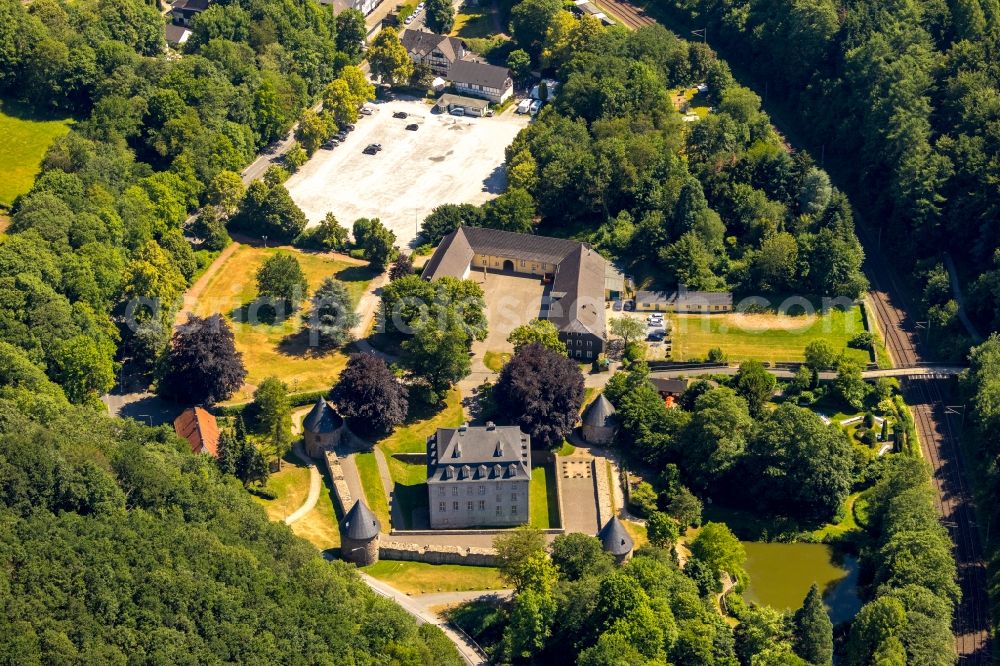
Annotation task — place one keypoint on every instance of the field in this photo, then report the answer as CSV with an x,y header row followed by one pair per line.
x,y
764,337
281,349
26,137
422,578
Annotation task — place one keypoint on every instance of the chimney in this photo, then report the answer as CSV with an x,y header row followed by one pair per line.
x,y
490,425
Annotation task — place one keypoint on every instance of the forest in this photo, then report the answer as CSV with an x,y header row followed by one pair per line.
x,y
720,205
119,546
903,99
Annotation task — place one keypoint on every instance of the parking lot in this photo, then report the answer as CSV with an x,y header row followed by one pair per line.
x,y
448,159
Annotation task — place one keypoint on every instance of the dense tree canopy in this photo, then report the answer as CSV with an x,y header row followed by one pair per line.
x,y
170,561
369,395
202,364
541,391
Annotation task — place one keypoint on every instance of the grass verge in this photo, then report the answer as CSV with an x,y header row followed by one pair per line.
x,y
423,578
412,437
544,503
495,360
372,484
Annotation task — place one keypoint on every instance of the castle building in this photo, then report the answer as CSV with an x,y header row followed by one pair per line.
x,y
616,540
478,476
600,425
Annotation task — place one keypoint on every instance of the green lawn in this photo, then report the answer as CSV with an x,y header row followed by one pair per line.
x,y
281,349
543,500
848,523
764,337
26,137
372,484
409,488
422,578
495,360
321,525
566,449
472,24
289,487
412,437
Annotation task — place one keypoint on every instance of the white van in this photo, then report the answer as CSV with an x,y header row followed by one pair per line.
x,y
524,106
457,111
535,107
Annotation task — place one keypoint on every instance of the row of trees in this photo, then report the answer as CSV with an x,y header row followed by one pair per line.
x,y
576,605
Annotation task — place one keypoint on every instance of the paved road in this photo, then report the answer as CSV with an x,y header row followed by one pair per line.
x,y
421,611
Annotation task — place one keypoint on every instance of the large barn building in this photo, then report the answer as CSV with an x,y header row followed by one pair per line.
x,y
574,301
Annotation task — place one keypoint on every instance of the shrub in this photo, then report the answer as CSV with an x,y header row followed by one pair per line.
x,y
716,355
643,499
863,340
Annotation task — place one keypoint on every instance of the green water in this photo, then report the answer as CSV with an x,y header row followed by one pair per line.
x,y
781,574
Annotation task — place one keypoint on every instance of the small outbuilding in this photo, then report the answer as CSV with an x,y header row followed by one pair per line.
x,y
359,532
600,424
616,540
200,429
322,428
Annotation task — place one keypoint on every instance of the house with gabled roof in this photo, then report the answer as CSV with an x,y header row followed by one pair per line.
x,y
200,429
438,52
478,476
574,300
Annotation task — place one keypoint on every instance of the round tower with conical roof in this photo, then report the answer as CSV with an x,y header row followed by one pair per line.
x,y
322,427
616,540
600,425
359,532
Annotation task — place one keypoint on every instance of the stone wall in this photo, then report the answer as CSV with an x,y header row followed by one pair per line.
x,y
340,490
411,552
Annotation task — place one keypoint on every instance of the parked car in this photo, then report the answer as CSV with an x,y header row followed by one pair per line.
x,y
657,335
629,305
409,20
366,111
535,107
413,127
400,114
369,150
616,306
375,146
654,320
349,127
329,144
457,111
524,106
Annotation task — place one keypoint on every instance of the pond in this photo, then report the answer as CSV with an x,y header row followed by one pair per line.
x,y
781,574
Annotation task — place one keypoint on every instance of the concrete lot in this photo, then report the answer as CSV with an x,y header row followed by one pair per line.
x,y
450,159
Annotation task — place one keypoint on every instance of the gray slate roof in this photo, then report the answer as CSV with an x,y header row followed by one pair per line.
x,y
478,453
615,538
669,384
472,72
600,413
360,523
577,294
422,43
323,418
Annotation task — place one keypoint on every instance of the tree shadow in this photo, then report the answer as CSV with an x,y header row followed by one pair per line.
x,y
151,410
301,345
413,507
355,274
496,182
263,311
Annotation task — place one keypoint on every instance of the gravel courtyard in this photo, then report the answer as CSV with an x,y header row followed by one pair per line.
x,y
449,159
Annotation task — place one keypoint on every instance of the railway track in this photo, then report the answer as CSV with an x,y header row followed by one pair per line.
x,y
941,447
630,16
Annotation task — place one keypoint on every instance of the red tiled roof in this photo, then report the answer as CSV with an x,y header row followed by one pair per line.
x,y
199,428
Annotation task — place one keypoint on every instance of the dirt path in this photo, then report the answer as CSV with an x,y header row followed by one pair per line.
x,y
368,306
192,295
315,486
